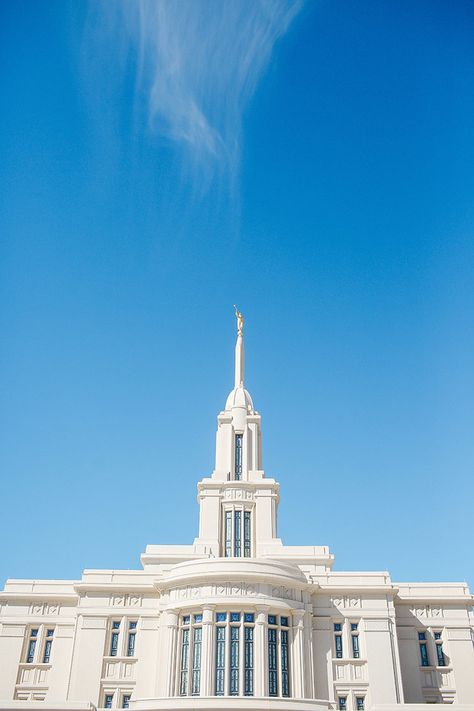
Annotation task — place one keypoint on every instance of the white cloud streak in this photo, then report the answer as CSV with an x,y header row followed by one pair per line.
x,y
199,64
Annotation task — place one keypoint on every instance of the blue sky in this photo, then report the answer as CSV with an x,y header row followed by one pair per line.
x,y
312,163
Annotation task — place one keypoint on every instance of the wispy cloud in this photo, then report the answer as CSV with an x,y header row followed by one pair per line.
x,y
199,63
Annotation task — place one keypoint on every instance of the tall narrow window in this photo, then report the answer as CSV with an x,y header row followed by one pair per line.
x,y
238,457
342,703
439,650
272,663
228,534
355,640
247,534
108,699
234,661
126,701
114,639
425,662
30,651
47,646
183,684
338,640
131,639
197,644
360,703
248,661
285,680
237,533
220,660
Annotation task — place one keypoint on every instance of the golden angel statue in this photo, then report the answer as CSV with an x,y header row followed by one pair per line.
x,y
240,321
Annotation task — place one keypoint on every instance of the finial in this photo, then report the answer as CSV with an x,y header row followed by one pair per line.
x,y
240,321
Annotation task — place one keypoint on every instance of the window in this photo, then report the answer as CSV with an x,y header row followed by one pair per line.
x,y
355,640
190,659
238,630
425,662
248,660
47,646
132,626
338,641
234,661
360,703
114,638
238,457
278,657
126,701
342,703
439,650
31,645
220,660
108,701
237,533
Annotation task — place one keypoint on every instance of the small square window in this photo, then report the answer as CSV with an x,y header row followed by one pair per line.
x,y
186,619
34,633
272,620
437,635
115,625
354,626
133,625
235,616
197,618
338,628
284,621
249,617
221,616
49,633
421,635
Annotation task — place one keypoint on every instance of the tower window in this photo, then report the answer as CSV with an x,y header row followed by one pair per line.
x,y
439,650
131,639
278,658
108,701
190,658
126,701
234,660
238,457
355,640
425,662
220,660
360,703
47,646
338,640
237,533
342,703
30,650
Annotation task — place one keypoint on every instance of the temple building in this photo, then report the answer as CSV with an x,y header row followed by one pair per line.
x,y
236,619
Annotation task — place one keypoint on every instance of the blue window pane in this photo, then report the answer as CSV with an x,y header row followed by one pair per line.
x,y
354,626
424,655
342,703
220,660
437,635
234,661
186,619
235,616
126,701
114,644
440,655
249,617
238,457
108,701
133,625
284,621
183,686
272,620
355,646
197,618
197,646
31,651
115,625
131,644
272,662
49,633
248,661
237,533
47,651
337,628
247,534
421,635
285,677
34,633
338,644
360,703
221,616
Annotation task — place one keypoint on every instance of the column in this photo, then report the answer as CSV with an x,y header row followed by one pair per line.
x,y
261,652
297,660
207,657
308,671
172,651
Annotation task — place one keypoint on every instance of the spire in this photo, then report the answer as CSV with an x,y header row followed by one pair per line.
x,y
239,350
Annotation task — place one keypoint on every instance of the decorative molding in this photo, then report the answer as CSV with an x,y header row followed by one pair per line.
x,y
241,494
126,600
45,608
347,601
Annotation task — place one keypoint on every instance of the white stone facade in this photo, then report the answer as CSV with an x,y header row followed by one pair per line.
x,y
235,620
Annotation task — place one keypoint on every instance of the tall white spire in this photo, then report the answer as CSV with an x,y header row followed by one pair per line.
x,y
239,350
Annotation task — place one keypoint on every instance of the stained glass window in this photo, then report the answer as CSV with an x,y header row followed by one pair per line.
x,y
248,660
228,534
237,533
238,457
272,661
220,660
183,686
247,534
